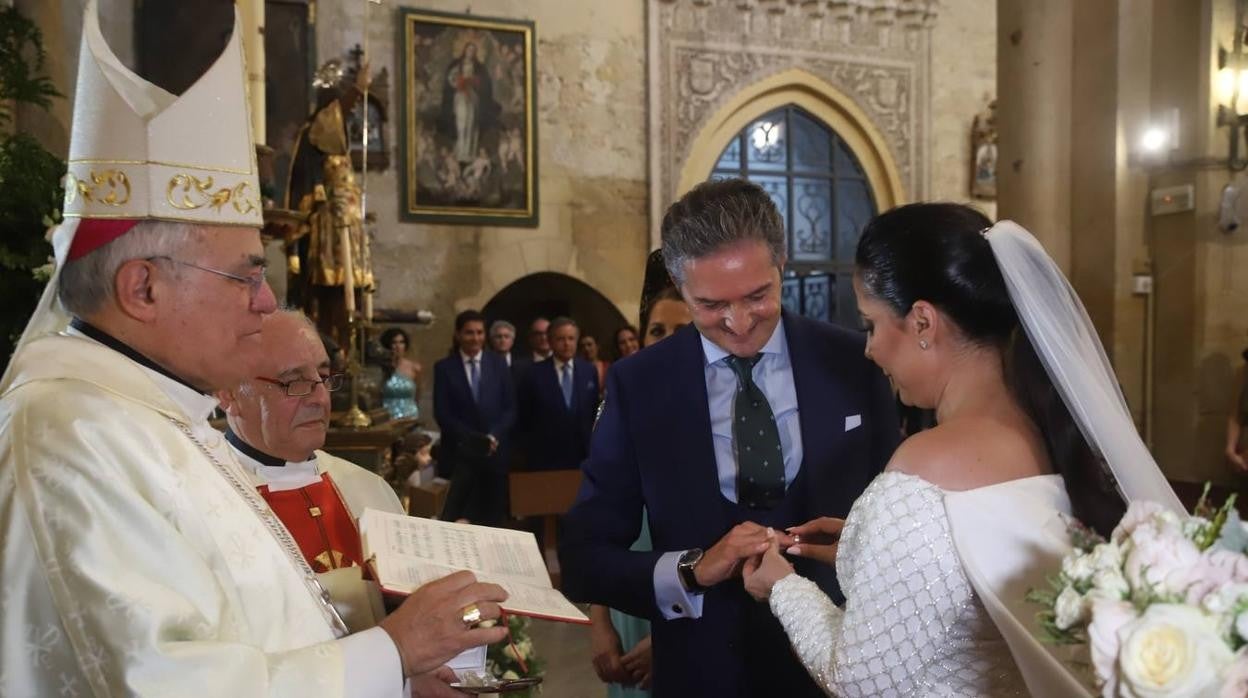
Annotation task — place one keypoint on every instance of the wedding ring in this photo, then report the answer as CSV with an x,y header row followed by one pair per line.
x,y
796,539
471,615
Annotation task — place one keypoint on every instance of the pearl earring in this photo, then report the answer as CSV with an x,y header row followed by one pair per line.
x,y
922,343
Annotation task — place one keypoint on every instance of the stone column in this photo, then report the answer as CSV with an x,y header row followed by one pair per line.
x,y
1035,40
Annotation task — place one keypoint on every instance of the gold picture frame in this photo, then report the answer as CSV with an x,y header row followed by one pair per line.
x,y
469,119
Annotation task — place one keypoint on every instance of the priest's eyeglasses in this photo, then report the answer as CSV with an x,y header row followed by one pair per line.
x,y
301,387
254,283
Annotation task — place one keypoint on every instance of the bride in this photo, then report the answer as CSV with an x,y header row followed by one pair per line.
x,y
937,554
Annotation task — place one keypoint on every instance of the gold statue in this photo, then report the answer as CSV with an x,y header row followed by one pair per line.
x,y
322,184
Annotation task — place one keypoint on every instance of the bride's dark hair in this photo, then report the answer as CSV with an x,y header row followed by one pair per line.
x,y
937,252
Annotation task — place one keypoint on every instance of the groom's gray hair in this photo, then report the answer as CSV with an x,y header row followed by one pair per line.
x,y
715,214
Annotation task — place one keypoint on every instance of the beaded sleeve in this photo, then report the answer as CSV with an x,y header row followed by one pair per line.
x,y
910,625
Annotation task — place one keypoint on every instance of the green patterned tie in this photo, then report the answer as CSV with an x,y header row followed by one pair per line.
x,y
760,460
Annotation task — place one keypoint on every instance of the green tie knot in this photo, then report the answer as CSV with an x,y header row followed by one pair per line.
x,y
744,367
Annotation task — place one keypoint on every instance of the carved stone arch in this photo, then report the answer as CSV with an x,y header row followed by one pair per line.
x,y
858,58
821,100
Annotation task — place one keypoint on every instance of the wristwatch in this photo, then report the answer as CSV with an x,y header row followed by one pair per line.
x,y
684,567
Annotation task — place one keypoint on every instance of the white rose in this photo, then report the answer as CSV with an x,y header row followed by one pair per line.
x,y
1171,650
1223,598
1109,584
1108,617
1137,513
1107,556
1078,567
510,675
1070,608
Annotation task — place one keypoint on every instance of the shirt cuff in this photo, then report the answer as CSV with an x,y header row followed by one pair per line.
x,y
674,602
373,668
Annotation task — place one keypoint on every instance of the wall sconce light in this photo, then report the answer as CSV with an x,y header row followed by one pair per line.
x,y
1159,138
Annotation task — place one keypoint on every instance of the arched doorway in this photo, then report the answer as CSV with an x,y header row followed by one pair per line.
x,y
549,294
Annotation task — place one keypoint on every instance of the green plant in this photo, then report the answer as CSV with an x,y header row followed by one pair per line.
x,y
30,189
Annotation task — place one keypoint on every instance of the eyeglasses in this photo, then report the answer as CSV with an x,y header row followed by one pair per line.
x,y
254,283
301,387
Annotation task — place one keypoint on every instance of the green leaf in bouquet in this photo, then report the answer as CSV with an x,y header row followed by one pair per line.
x,y
1046,618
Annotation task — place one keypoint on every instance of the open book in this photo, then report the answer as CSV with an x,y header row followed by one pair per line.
x,y
406,552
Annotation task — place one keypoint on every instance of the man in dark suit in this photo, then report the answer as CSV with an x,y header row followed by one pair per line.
x,y
557,403
474,403
748,419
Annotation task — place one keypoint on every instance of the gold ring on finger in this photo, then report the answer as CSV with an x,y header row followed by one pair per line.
x,y
471,615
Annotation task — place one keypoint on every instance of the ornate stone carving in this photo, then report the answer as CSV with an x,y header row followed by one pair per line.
x,y
707,51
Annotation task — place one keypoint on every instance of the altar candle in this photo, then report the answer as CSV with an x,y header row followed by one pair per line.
x,y
348,271
368,305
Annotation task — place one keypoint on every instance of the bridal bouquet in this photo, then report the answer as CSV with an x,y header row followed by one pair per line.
x,y
1161,607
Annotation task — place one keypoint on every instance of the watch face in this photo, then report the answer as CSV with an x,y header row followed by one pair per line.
x,y
690,557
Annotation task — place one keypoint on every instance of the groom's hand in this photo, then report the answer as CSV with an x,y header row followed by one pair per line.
x,y
723,560
816,539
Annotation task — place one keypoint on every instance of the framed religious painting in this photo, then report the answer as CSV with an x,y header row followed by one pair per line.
x,y
468,133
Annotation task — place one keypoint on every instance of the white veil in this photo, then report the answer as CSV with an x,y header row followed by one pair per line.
x,y
1011,539
1067,344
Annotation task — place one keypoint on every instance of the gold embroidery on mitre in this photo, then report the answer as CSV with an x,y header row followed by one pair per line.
x,y
104,187
197,193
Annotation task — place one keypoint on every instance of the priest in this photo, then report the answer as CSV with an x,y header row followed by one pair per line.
x,y
277,422
135,557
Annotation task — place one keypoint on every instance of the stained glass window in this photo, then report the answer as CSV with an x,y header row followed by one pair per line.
x,y
823,196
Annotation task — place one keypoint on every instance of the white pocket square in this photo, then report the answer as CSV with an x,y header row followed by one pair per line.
x,y
852,422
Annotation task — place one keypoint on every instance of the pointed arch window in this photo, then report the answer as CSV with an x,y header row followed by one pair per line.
x,y
824,197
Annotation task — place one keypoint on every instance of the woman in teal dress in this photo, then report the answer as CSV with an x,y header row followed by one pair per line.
x,y
620,643
402,383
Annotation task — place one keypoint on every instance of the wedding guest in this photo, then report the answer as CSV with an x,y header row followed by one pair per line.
x,y
558,402
402,376
626,341
589,352
474,403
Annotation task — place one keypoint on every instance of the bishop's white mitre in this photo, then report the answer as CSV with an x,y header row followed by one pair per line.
x,y
138,152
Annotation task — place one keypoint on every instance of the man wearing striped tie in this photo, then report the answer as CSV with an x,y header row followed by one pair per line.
x,y
474,404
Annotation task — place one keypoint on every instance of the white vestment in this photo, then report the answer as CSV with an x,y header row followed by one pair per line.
x,y
131,563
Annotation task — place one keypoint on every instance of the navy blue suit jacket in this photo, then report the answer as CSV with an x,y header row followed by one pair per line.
x,y
652,449
459,416
557,437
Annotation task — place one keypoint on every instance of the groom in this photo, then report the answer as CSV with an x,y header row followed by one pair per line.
x,y
751,418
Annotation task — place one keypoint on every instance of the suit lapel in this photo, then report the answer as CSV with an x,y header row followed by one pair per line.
x,y
688,385
818,407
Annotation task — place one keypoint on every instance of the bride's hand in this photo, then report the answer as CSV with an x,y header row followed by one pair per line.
x,y
761,572
817,539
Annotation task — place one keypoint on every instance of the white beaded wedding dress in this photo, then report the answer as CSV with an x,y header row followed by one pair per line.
x,y
911,625
934,580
